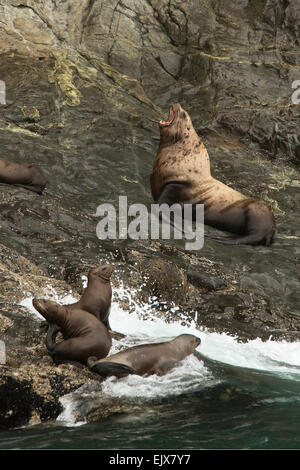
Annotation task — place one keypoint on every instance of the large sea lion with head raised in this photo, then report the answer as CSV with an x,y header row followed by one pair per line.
x,y
181,174
84,335
146,359
25,175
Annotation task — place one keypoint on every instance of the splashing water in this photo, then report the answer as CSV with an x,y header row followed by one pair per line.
x,y
143,326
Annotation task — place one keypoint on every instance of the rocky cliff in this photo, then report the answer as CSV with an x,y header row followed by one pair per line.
x,y
86,82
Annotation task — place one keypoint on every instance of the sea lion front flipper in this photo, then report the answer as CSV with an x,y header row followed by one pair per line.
x,y
52,331
170,195
106,369
164,367
172,192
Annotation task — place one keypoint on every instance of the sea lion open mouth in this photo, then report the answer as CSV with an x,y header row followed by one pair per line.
x,y
170,120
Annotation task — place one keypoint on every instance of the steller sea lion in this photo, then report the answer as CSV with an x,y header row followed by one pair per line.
x,y
84,335
146,359
96,298
25,175
181,174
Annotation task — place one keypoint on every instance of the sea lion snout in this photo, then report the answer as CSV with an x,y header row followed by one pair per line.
x,y
44,307
187,341
195,340
35,179
39,305
38,176
104,271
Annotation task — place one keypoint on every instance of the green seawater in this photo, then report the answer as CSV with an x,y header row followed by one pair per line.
x,y
217,418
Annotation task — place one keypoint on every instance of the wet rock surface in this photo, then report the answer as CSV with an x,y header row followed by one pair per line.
x,y
86,83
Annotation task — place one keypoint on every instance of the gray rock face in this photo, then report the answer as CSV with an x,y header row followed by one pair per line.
x,y
234,63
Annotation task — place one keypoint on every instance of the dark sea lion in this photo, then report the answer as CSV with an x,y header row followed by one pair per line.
x,y
146,359
25,175
96,298
84,335
181,174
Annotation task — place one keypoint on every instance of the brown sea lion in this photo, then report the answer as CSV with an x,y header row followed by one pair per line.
x,y
96,298
146,359
25,175
84,335
181,174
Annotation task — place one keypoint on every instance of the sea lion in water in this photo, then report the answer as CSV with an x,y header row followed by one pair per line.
x,y
96,298
84,335
25,175
181,174
146,359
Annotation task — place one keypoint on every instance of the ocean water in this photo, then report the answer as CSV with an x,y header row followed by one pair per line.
x,y
228,395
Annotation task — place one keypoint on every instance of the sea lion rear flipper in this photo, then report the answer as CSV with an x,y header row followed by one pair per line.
x,y
35,188
251,239
106,369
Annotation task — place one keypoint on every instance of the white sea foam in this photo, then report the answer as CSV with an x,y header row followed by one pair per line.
x,y
188,376
69,416
270,356
140,324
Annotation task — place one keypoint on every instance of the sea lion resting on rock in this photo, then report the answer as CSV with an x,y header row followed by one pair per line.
x,y
181,174
96,298
84,335
22,174
146,359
